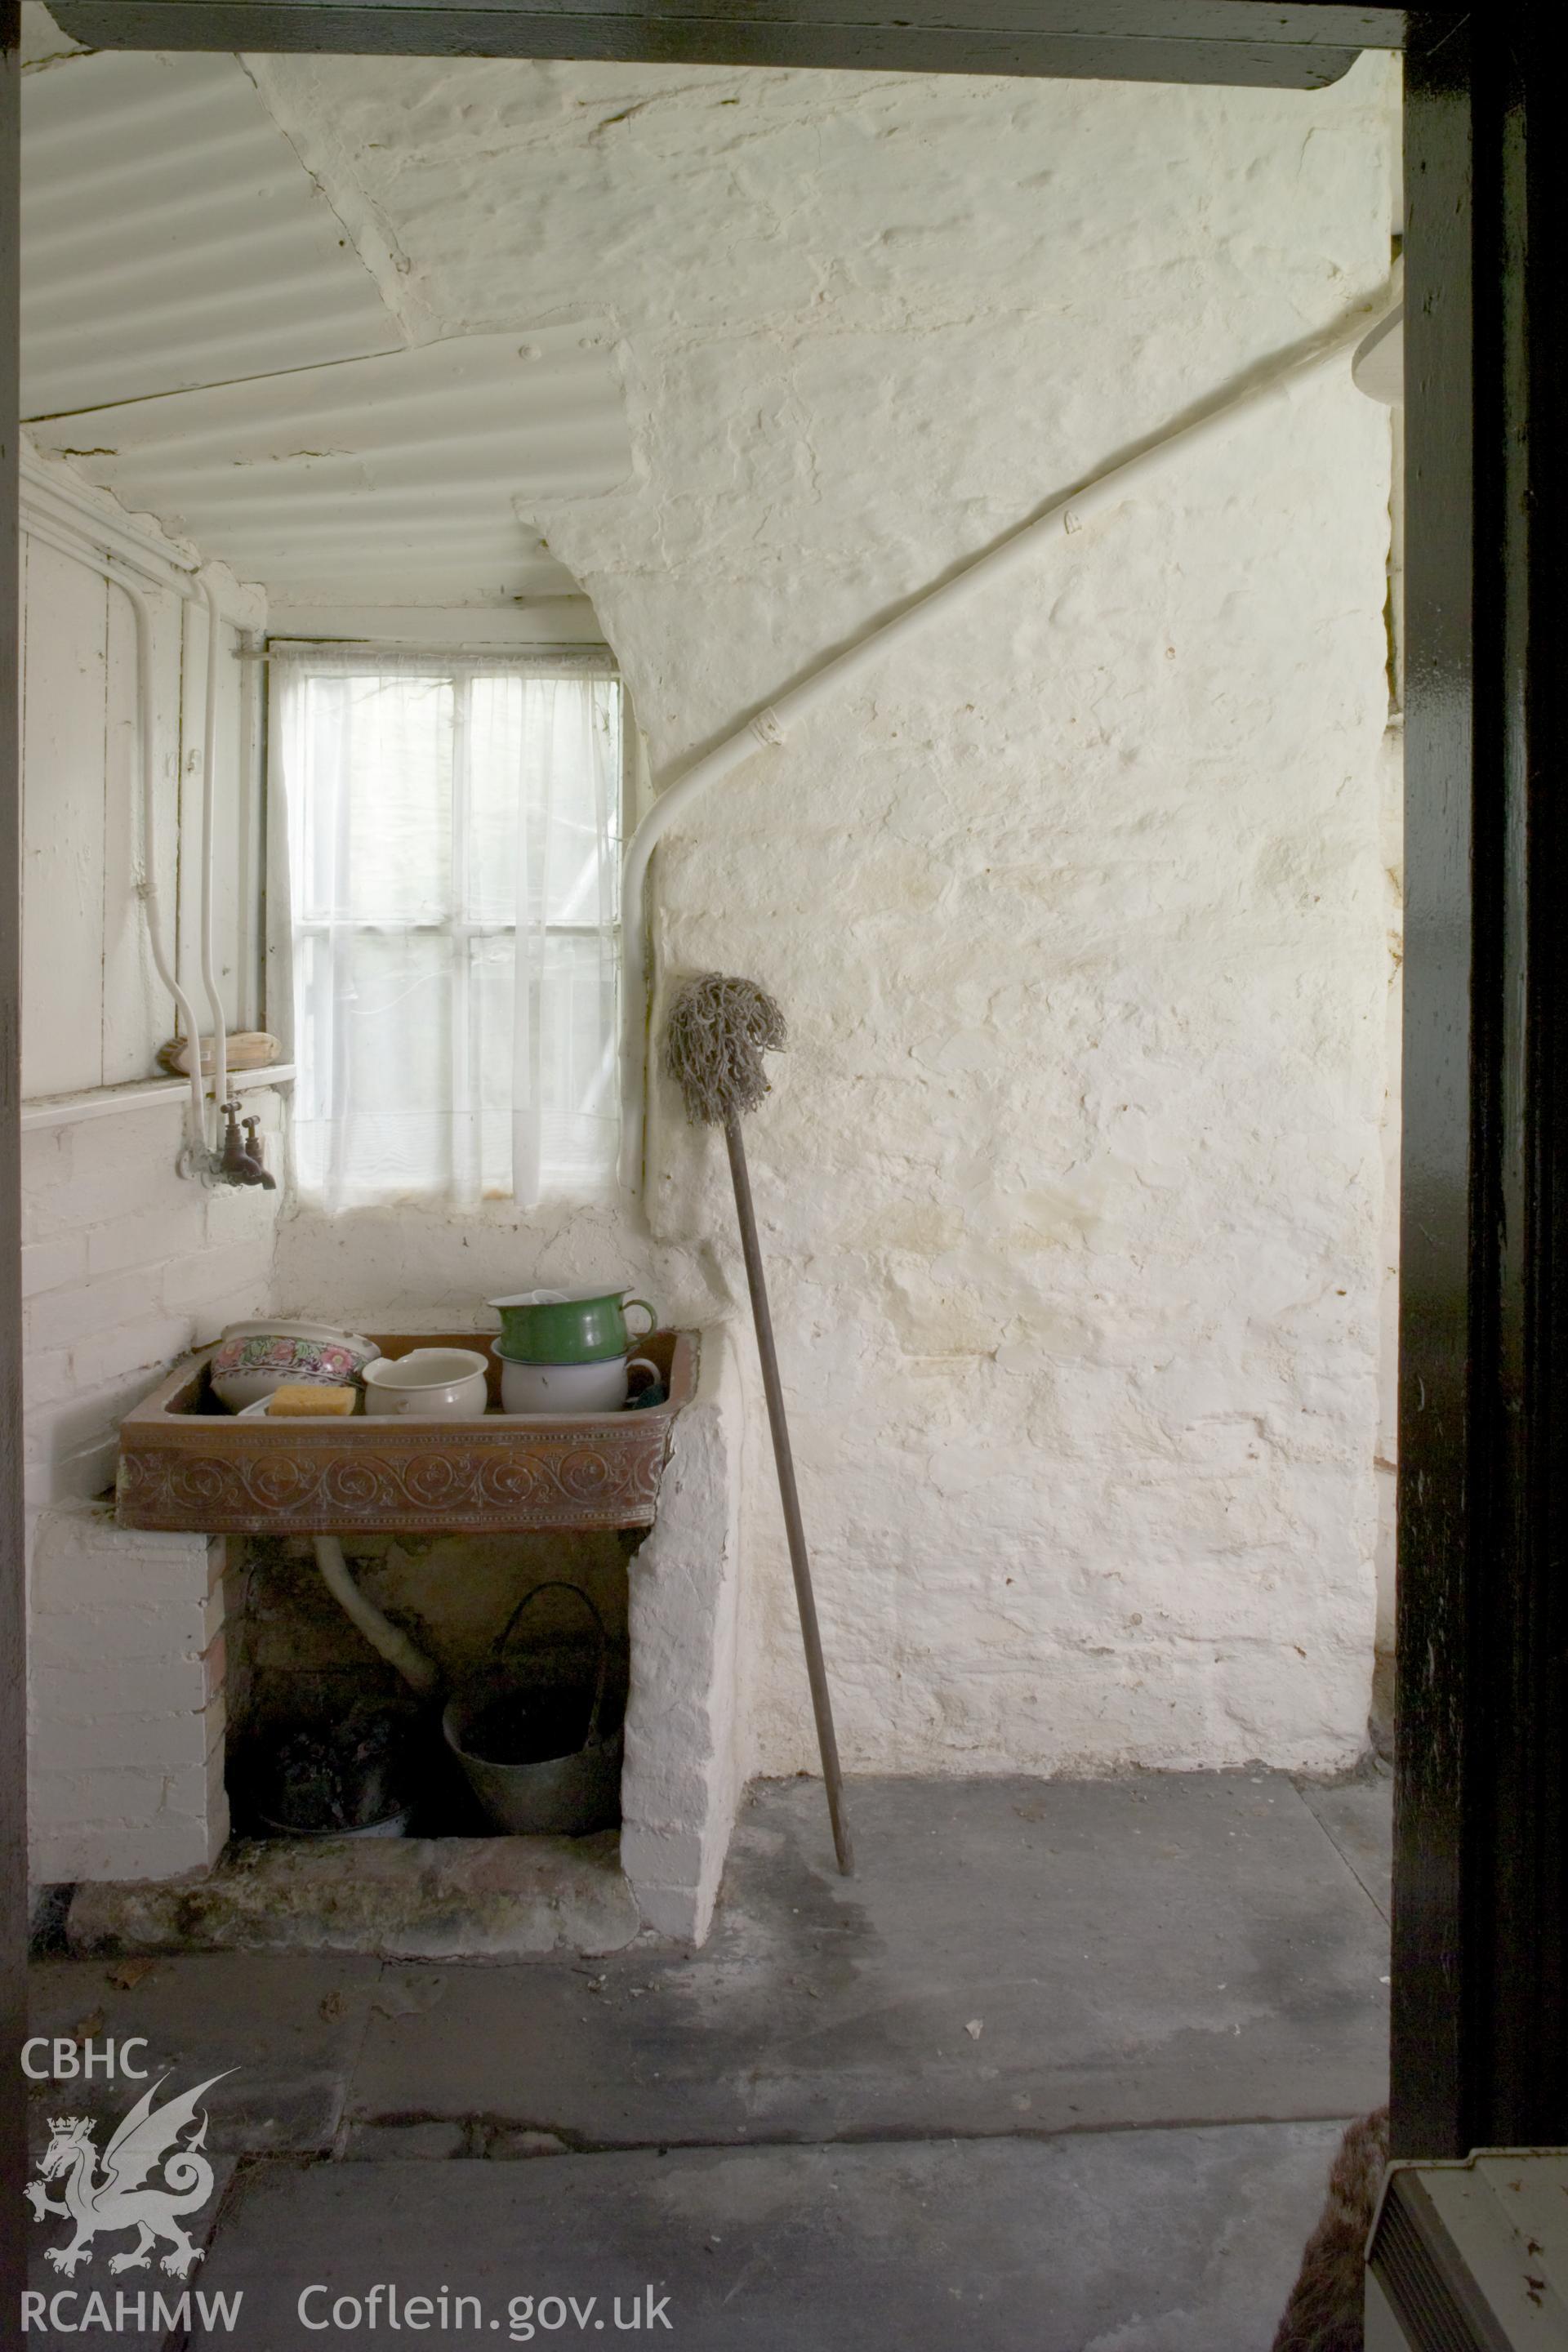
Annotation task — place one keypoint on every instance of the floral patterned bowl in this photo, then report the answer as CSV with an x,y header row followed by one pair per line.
x,y
251,1359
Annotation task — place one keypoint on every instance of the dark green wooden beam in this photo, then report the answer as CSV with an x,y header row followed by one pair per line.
x,y
1260,44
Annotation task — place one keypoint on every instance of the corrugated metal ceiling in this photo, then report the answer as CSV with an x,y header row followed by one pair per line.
x,y
383,480
171,236
200,336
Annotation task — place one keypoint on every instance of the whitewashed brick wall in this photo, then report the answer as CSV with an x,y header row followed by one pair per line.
x,y
127,1702
125,1265
685,1741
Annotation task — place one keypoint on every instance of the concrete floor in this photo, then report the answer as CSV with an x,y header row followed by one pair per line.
x,y
1062,2067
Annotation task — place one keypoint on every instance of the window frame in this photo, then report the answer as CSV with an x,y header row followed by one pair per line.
x,y
283,925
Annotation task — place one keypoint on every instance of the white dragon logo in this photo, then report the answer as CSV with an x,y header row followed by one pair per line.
x,y
117,2200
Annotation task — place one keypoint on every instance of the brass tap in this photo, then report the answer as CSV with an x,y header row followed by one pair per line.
x,y
240,1161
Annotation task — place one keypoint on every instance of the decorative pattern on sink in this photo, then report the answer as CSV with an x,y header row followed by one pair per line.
x,y
184,1466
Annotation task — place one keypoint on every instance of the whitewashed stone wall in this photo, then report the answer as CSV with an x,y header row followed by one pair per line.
x,y
1072,1186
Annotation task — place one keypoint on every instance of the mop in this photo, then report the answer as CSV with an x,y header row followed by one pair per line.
x,y
719,1030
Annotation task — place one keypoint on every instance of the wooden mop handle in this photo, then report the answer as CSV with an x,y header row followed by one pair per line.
x,y
799,1558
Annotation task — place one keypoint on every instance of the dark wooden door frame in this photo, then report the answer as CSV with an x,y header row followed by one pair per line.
x,y
13,1595
1480,2024
1479,2020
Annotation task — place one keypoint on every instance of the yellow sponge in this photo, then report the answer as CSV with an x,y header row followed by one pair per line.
x,y
300,1397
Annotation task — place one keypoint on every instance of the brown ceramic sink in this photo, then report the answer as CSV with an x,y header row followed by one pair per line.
x,y
186,1464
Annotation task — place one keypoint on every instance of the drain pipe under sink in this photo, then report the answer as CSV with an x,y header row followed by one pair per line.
x,y
420,1673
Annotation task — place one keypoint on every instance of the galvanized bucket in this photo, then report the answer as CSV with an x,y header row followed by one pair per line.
x,y
564,1793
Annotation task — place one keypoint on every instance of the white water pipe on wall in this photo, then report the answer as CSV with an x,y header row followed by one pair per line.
x,y
113,568
769,729
147,886
182,580
209,862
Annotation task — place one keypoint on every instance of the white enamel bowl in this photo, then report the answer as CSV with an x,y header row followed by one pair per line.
x,y
567,1388
450,1382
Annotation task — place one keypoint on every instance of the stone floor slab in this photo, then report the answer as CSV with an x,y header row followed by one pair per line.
x,y
1358,1815
131,2298
400,1898
1133,2241
289,2029
1011,1953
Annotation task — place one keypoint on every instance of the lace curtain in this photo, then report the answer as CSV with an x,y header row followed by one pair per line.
x,y
454,837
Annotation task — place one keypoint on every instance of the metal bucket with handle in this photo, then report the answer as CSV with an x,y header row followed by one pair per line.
x,y
536,1766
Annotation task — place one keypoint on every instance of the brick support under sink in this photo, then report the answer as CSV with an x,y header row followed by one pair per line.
x,y
128,1702
127,1715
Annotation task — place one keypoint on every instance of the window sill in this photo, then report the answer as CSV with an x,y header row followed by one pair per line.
x,y
496,1209
101,1102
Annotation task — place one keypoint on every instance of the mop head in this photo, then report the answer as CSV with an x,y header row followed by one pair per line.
x,y
720,1028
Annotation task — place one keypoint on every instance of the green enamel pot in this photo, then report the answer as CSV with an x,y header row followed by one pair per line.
x,y
573,1327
